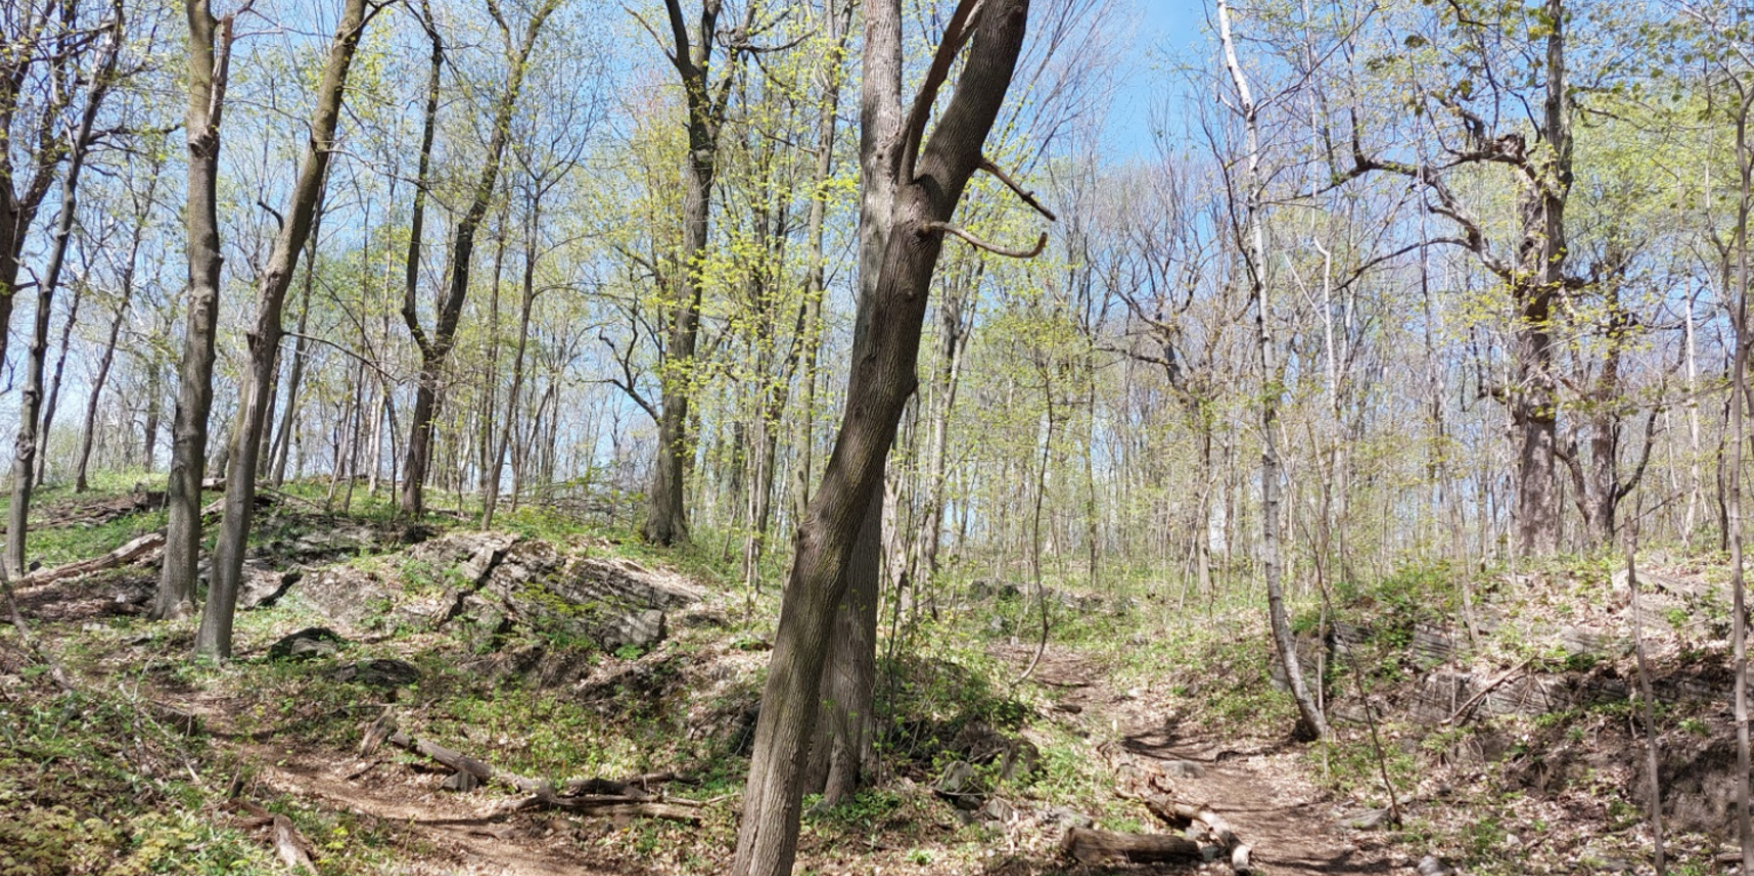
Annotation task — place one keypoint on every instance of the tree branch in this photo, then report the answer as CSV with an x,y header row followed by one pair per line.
x,y
946,228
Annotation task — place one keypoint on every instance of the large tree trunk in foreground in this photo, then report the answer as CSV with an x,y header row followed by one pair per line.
x,y
214,637
1533,400
844,732
209,56
883,376
842,742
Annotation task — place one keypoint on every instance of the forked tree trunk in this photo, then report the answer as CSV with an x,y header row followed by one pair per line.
x,y
841,743
1533,402
213,639
884,356
436,349
54,400
666,519
209,56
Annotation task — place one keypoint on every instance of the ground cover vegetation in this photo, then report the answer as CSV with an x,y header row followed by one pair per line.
x,y
927,436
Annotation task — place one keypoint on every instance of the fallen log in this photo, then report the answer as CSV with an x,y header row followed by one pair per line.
x,y
1178,814
1088,845
456,760
607,805
127,553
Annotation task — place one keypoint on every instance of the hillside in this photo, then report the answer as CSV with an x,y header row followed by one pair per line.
x,y
549,698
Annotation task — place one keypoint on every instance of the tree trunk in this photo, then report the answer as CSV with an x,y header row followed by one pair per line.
x,y
1272,390
839,21
54,401
435,350
102,377
28,443
490,499
213,639
886,348
666,508
1534,400
412,495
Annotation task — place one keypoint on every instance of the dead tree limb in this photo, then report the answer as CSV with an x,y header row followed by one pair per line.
x,y
1088,845
125,554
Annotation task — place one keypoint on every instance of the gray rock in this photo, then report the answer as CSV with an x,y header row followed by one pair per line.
x,y
462,781
961,787
998,810
1065,816
306,644
380,673
1019,762
474,554
347,596
261,586
1183,769
1432,865
1369,819
641,629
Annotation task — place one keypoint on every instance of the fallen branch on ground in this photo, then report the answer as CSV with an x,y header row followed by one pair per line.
x,y
1220,830
1490,687
127,553
611,805
1088,845
291,846
603,797
483,771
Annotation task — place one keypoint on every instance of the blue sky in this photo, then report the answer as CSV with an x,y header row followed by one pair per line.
x,y
1167,32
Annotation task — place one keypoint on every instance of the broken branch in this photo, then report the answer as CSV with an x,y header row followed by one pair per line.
x,y
946,228
1027,196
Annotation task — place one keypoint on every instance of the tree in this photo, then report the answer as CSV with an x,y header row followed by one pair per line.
x,y
210,44
214,637
927,177
666,520
78,146
436,348
1251,228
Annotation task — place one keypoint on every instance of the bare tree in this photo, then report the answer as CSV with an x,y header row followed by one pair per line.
x,y
1251,228
436,348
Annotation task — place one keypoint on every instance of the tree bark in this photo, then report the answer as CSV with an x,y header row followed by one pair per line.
x,y
54,399
1534,402
883,376
841,742
28,444
1272,390
213,639
282,445
209,57
666,519
490,498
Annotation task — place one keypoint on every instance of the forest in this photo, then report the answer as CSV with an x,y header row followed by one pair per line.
x,y
1014,437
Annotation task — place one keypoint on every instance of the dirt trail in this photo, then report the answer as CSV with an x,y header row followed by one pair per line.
x,y
459,834
1261,791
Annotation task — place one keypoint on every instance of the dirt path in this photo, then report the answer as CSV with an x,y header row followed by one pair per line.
x,y
448,834
1262,792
